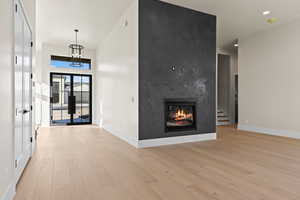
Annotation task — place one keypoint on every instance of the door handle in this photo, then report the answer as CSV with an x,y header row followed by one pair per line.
x,y
72,105
25,111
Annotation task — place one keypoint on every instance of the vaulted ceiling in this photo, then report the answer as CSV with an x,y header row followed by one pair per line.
x,y
241,18
95,18
56,20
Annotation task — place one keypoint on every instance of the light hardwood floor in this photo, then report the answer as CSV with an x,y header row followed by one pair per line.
x,y
85,163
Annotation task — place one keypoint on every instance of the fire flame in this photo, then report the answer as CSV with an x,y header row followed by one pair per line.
x,y
182,115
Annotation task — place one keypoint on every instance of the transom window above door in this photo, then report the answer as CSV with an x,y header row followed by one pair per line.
x,y
70,63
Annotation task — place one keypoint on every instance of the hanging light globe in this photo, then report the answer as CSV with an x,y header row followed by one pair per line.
x,y
76,51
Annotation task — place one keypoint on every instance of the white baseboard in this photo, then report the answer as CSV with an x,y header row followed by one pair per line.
x,y
163,141
282,133
176,140
9,194
129,140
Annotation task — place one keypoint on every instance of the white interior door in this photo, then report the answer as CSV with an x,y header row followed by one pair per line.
x,y
23,88
27,88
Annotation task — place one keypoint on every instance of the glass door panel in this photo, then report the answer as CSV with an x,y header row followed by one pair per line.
x,y
65,93
81,89
77,93
60,90
85,98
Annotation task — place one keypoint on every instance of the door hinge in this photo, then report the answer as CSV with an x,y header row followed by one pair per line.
x,y
16,8
16,164
31,107
16,60
31,44
31,76
31,139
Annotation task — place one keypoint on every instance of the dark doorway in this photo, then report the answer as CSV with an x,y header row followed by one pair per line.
x,y
224,114
236,98
70,99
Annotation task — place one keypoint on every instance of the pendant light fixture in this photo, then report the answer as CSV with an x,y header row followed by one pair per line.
x,y
76,51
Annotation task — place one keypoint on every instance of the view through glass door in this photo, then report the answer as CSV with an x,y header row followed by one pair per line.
x,y
70,99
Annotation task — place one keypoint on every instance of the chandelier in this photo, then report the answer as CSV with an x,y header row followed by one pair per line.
x,y
76,51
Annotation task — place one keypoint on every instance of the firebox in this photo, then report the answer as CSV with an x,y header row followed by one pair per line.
x,y
180,115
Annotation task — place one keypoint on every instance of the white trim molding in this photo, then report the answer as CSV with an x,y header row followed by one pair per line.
x,y
163,141
282,133
10,193
129,140
176,140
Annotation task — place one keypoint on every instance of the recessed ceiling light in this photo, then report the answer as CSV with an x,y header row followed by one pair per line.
x,y
267,12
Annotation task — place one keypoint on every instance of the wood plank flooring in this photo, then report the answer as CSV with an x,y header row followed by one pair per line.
x,y
86,163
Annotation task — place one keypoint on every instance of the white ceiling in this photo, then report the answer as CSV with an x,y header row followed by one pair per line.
x,y
241,18
57,19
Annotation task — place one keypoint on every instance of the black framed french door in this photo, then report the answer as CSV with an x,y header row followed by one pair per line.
x,y
70,99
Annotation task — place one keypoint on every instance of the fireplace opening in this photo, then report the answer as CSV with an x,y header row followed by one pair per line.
x,y
180,115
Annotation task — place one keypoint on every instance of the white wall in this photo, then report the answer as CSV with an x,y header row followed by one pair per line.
x,y
269,84
117,78
43,87
6,93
